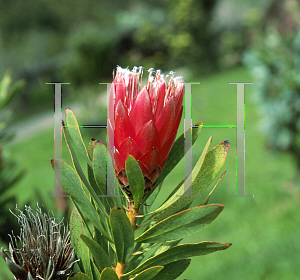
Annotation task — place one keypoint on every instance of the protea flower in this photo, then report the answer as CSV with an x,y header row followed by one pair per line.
x,y
144,121
44,252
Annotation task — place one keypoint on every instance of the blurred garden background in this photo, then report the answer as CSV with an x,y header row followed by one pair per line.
x,y
213,42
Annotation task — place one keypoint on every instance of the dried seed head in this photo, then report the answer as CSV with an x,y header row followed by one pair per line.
x,y
43,250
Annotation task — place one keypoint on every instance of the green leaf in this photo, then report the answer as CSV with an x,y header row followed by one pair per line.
x,y
99,170
79,276
120,199
99,166
108,202
135,180
166,245
125,196
97,151
176,202
77,227
205,201
180,252
212,166
91,149
122,234
176,154
90,170
148,274
101,258
112,253
202,176
71,184
109,274
74,131
144,208
182,224
95,271
143,251
82,176
99,238
172,270
135,260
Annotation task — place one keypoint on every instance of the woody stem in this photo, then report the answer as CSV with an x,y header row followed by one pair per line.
x,y
131,214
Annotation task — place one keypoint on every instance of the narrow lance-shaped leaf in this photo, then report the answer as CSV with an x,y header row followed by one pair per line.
x,y
205,201
135,179
142,251
95,271
99,166
172,270
112,252
90,168
180,252
99,169
166,245
211,167
71,184
91,177
135,260
182,224
175,198
98,237
149,273
77,227
75,133
97,190
101,258
91,149
146,206
82,176
122,234
67,136
122,197
89,188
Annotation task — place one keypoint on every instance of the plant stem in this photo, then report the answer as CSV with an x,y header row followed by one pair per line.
x,y
131,214
120,270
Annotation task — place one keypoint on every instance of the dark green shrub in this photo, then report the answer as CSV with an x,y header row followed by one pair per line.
x,y
9,172
274,60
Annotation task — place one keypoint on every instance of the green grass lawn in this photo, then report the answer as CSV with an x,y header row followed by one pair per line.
x,y
264,230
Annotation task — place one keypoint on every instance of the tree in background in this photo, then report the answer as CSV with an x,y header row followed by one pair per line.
x,y
274,59
174,33
43,42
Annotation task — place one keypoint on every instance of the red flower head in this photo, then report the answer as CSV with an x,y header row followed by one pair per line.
x,y
144,121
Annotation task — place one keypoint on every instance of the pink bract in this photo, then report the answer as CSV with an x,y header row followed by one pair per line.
x,y
143,122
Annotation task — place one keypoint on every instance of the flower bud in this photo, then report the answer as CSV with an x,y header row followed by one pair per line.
x,y
143,121
42,251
